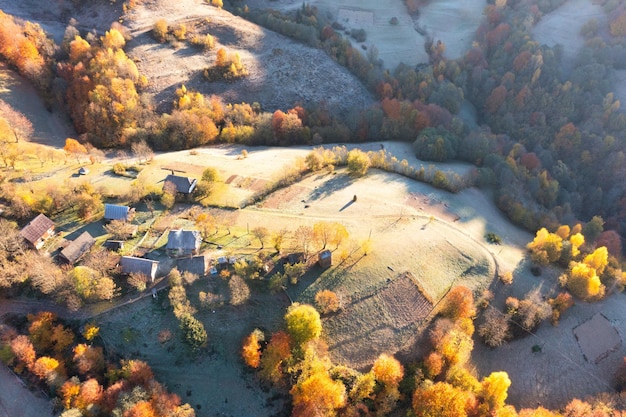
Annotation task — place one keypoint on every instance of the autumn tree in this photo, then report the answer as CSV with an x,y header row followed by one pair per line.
x,y
303,323
333,233
441,400
120,229
327,301
88,359
24,352
260,233
495,329
494,390
358,162
75,149
251,350
546,247
142,151
459,303
20,127
277,353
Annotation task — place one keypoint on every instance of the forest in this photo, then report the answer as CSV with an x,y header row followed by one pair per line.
x,y
550,142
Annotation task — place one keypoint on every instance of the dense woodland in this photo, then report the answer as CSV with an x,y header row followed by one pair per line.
x,y
551,141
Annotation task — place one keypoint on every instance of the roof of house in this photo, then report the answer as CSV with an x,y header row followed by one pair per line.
x,y
184,185
183,239
196,265
131,264
36,228
114,212
78,247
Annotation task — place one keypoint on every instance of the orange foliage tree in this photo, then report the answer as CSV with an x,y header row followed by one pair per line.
x,y
277,352
251,350
459,303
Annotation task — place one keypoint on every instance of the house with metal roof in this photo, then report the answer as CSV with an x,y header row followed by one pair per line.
x,y
133,265
197,265
183,243
115,212
77,248
183,185
37,231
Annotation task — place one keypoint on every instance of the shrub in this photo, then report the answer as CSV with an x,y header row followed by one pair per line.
x,y
495,330
327,301
159,30
358,162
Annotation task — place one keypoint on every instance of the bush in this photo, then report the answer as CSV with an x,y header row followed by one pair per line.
x,y
358,162
327,301
159,30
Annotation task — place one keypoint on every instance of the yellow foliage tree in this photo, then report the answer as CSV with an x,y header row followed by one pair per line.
x,y
577,240
303,323
546,247
441,400
388,370
598,259
90,331
494,389
113,39
583,281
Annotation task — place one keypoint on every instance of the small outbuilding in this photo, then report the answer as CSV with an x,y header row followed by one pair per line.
x,y
114,244
183,243
83,171
325,259
133,265
37,231
77,248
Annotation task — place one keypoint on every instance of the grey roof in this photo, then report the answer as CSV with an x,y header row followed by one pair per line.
x,y
183,239
78,247
114,212
183,185
131,264
83,170
36,228
196,265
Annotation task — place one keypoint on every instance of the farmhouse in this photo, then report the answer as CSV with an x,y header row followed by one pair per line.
x,y
77,248
115,212
38,231
133,265
197,265
183,243
183,185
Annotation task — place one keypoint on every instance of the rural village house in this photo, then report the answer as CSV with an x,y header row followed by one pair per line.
x,y
37,231
77,248
197,265
115,212
183,185
134,265
183,242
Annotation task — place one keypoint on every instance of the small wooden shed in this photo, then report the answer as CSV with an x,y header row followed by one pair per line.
x,y
325,259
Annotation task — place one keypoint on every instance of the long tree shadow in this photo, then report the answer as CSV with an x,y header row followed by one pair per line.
x,y
331,186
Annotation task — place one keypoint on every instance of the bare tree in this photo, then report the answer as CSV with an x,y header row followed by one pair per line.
x,y
260,233
19,124
304,236
495,330
142,151
120,229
